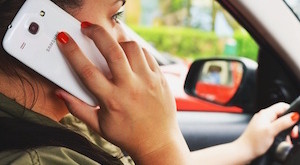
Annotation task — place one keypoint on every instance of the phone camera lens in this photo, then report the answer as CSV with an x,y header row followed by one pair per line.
x,y
42,13
33,28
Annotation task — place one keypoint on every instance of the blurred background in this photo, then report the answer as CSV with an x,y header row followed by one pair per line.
x,y
189,29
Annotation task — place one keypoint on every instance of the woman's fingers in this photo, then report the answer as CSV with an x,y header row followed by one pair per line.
x,y
285,122
151,61
279,122
79,109
135,56
295,132
110,49
276,110
88,73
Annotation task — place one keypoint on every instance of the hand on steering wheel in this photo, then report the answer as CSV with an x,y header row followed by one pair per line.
x,y
264,127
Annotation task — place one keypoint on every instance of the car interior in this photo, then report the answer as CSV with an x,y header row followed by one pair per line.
x,y
257,85
276,79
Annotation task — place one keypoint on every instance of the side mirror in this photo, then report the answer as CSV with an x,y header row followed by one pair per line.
x,y
223,81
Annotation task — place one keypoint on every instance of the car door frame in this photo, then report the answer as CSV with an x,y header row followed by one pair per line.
x,y
197,130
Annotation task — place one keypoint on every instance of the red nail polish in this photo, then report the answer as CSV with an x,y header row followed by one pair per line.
x,y
85,24
295,135
295,116
62,37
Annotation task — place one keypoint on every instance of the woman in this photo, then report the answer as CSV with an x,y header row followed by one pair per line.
x,y
137,111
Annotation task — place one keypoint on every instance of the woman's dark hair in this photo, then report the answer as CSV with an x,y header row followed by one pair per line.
x,y
10,66
32,133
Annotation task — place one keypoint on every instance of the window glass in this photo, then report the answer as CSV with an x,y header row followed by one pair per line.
x,y
294,5
189,29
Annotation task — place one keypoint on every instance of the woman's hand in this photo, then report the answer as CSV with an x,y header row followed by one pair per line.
x,y
137,109
255,141
264,126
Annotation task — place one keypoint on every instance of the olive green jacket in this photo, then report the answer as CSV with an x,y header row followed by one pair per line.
x,y
50,154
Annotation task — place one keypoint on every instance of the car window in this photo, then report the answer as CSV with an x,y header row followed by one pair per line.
x,y
294,5
189,29
182,31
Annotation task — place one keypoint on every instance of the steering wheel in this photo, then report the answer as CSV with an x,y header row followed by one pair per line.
x,y
282,152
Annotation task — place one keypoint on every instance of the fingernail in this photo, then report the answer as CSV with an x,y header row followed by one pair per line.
x,y
295,135
85,24
62,37
295,116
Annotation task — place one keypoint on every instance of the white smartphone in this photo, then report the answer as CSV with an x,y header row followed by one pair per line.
x,y
31,38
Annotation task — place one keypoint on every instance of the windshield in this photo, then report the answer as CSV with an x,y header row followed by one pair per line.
x,y
294,5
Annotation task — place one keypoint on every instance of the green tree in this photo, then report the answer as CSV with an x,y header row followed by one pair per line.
x,y
175,9
176,5
216,7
